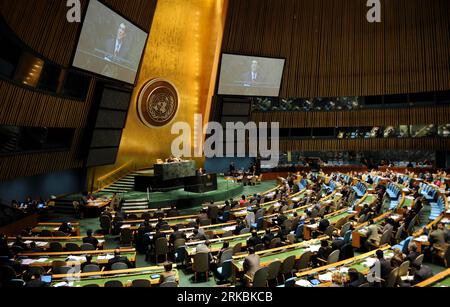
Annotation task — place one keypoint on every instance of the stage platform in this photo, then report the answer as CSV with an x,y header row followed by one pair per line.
x,y
182,199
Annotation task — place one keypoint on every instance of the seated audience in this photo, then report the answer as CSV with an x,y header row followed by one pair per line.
x,y
118,258
168,275
90,239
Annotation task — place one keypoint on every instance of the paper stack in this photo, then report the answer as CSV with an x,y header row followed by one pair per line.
x,y
325,277
27,261
369,262
303,283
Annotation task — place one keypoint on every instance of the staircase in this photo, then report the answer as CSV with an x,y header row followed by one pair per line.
x,y
64,206
135,204
126,184
123,185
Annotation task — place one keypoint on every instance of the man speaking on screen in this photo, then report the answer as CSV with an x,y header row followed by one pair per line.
x,y
117,46
254,76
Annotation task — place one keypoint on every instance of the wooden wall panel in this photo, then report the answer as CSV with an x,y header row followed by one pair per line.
x,y
358,118
331,49
24,107
365,144
42,24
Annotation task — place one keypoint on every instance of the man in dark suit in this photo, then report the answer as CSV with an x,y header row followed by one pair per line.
x,y
239,227
253,77
19,242
323,252
88,262
118,258
422,273
118,46
364,210
384,265
268,237
198,235
90,239
355,278
437,235
323,224
413,254
65,227
142,241
161,222
254,239
232,169
157,235
176,234
251,263
337,243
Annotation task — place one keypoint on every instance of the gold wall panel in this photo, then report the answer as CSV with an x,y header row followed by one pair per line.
x,y
183,49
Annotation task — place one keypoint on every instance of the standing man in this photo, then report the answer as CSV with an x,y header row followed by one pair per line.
x,y
254,76
117,46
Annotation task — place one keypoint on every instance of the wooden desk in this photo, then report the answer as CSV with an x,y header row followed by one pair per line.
x,y
124,276
53,227
46,258
333,218
44,242
270,255
439,280
216,244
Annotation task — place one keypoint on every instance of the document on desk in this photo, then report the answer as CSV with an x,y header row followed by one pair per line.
x,y
27,261
41,244
41,260
326,277
445,220
61,284
303,283
229,228
313,248
126,226
363,231
410,278
423,238
76,258
270,195
105,257
369,262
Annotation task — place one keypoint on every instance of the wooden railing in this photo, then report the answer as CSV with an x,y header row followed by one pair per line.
x,y
114,176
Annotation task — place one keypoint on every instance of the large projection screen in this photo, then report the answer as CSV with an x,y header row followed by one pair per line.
x,y
109,45
250,75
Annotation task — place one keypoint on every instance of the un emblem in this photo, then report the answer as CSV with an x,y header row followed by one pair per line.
x,y
157,103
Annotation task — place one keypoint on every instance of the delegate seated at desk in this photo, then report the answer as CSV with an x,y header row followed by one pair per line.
x,y
118,258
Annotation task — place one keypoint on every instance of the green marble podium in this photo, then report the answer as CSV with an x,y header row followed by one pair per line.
x,y
176,170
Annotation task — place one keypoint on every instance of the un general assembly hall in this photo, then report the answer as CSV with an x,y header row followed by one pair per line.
x,y
224,145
